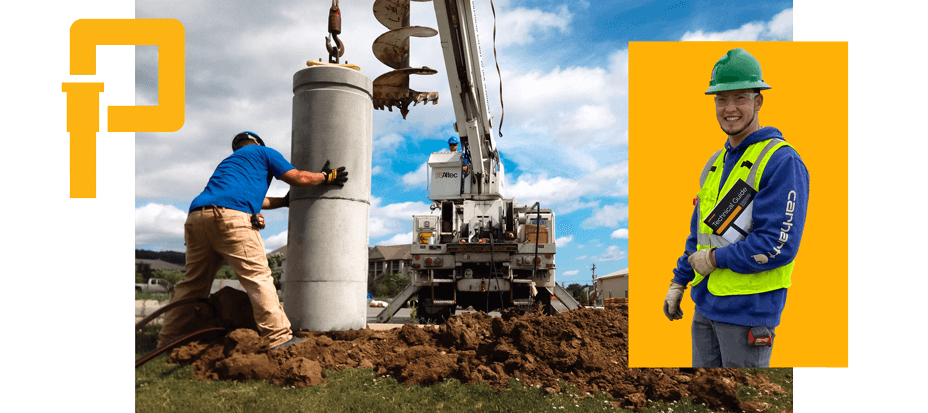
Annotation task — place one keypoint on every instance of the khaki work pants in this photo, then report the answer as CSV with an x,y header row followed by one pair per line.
x,y
211,235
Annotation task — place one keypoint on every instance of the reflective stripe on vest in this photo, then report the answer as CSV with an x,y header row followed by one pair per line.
x,y
724,281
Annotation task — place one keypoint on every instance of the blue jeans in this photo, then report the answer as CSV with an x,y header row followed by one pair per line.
x,y
718,344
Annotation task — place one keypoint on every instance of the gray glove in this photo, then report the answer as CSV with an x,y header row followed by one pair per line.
x,y
672,301
701,261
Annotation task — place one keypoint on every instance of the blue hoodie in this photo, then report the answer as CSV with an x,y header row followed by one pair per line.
x,y
784,172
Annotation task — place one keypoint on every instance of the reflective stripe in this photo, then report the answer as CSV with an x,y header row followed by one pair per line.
x,y
752,176
705,170
723,280
711,240
702,239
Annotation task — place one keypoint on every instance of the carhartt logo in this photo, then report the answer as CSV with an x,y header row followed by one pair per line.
x,y
439,175
787,225
760,258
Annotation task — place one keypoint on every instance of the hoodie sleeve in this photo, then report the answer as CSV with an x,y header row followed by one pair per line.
x,y
684,273
779,217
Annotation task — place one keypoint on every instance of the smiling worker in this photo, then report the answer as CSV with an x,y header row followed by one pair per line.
x,y
740,266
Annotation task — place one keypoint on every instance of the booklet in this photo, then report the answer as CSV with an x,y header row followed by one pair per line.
x,y
731,217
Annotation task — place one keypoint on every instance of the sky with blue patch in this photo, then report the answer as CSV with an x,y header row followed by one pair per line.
x,y
564,77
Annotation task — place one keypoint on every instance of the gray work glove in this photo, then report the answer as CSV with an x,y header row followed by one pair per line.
x,y
672,301
701,261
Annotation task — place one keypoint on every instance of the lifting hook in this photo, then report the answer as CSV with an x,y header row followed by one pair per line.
x,y
335,28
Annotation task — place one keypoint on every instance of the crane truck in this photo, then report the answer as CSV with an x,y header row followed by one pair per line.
x,y
482,250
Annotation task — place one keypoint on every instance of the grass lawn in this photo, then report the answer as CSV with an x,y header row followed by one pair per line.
x,y
163,387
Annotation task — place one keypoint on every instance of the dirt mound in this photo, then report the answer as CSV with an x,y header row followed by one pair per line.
x,y
586,348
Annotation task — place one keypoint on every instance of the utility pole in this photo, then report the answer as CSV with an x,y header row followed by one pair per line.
x,y
593,287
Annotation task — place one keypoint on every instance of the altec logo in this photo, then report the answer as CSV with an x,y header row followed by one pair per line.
x,y
439,175
84,97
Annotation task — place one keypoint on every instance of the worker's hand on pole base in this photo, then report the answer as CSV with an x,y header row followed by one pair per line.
x,y
703,261
672,301
336,176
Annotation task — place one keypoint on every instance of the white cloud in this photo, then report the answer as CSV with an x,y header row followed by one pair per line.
x,y
747,32
525,25
612,253
564,121
621,233
278,189
566,193
156,222
398,239
607,216
274,242
563,241
780,27
576,106
618,72
582,257
530,188
387,142
611,180
623,138
570,273
586,120
393,218
376,170
417,177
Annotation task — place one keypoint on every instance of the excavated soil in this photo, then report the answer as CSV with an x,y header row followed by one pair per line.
x,y
586,348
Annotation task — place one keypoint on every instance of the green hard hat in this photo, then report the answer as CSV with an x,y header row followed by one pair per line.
x,y
736,70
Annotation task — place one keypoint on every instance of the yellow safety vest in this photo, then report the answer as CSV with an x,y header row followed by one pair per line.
x,y
724,281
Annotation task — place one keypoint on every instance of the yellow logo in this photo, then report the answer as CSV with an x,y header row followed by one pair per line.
x,y
84,97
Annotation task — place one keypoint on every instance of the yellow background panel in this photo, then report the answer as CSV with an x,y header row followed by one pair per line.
x,y
672,133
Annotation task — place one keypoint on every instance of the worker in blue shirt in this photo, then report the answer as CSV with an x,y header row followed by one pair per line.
x,y
465,159
453,147
223,223
740,278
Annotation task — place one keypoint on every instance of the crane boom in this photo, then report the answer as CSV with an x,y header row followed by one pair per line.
x,y
483,251
457,30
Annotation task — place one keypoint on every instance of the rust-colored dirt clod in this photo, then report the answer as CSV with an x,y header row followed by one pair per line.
x,y
586,348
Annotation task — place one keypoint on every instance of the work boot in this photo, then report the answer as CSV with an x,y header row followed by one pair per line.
x,y
292,341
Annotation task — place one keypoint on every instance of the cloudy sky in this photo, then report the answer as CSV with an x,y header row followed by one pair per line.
x,y
564,71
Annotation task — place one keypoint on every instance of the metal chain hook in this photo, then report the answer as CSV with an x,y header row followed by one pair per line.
x,y
335,28
335,19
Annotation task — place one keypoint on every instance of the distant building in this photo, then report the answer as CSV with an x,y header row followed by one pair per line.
x,y
612,285
146,267
389,259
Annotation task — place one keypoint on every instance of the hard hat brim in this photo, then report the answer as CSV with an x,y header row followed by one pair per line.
x,y
747,84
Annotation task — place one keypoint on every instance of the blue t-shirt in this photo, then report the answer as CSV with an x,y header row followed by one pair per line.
x,y
241,180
